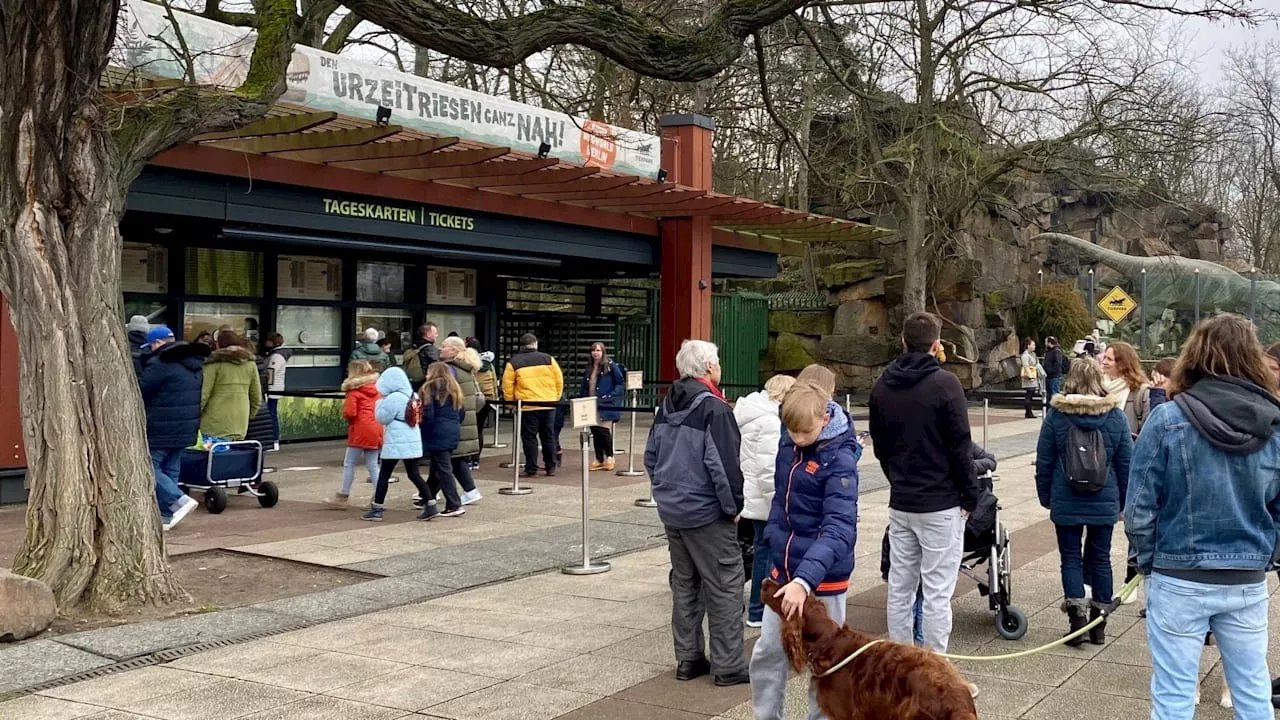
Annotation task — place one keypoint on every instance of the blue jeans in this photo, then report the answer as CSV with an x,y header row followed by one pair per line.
x,y
1092,567
167,465
759,569
1179,613
1053,386
349,460
273,405
917,618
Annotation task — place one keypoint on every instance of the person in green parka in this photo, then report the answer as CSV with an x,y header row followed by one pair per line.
x,y
367,349
232,391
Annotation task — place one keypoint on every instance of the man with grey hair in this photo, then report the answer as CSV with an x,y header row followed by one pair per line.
x,y
692,460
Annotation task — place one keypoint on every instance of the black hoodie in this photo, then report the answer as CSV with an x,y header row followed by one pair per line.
x,y
920,434
1234,415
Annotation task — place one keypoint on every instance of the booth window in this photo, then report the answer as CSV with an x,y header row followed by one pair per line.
x,y
395,323
210,316
305,277
311,330
144,268
462,322
380,282
224,273
451,286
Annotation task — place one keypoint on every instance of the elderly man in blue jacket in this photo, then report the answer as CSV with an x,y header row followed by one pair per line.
x,y
171,382
692,460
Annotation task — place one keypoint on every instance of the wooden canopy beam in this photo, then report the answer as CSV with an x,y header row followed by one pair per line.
x,y
423,161
269,144
550,178
276,125
372,151
588,185
681,208
626,191
799,223
665,198
478,170
760,212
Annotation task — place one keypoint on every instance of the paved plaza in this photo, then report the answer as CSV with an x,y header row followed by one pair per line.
x,y
469,619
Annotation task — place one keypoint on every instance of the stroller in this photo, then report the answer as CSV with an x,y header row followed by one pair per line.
x,y
226,465
986,541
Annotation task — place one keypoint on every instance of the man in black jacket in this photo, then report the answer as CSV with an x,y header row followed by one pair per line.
x,y
1055,366
920,433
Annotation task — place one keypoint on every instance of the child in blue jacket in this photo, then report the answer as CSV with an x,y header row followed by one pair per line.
x,y
811,531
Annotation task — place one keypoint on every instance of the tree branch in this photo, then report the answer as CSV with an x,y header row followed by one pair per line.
x,y
636,40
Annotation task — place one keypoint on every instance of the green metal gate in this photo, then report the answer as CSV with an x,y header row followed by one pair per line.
x,y
740,328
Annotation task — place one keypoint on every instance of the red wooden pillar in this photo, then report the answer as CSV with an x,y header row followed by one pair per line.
x,y
12,455
686,241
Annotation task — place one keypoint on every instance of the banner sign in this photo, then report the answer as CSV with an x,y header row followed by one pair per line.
x,y
147,40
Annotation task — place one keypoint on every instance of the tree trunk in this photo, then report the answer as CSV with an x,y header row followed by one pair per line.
x,y
915,232
93,530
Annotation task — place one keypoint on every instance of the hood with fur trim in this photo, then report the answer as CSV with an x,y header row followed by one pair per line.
x,y
234,355
352,383
1082,404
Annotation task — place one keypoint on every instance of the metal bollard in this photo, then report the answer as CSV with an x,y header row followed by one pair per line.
x,y
985,405
587,567
644,502
631,470
497,420
515,488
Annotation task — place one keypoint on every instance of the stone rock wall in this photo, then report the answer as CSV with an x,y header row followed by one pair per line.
x,y
978,289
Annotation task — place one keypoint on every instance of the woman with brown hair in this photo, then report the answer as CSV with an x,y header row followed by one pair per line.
x,y
604,381
1126,383
443,412
1210,463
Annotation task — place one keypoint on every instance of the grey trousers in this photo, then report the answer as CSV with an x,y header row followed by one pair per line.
x,y
770,668
924,552
706,581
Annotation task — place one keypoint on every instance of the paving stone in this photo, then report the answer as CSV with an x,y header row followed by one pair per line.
x,y
459,621
1112,679
114,715
1007,697
1066,704
36,707
475,656
640,516
615,709
698,696
1042,669
211,700
327,708
575,636
122,691
244,660
413,688
339,635
40,661
327,605
129,641
326,671
398,590
594,675
513,701
655,647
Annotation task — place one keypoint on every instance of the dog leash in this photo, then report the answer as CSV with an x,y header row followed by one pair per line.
x,y
1130,588
835,668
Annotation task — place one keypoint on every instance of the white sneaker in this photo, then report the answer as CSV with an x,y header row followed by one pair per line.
x,y
182,508
472,496
754,623
973,691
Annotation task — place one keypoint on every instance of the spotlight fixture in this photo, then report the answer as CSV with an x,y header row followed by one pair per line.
x,y
662,176
384,115
544,150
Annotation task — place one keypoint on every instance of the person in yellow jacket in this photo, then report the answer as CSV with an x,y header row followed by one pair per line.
x,y
534,376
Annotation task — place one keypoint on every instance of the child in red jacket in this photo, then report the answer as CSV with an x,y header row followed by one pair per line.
x,y
364,432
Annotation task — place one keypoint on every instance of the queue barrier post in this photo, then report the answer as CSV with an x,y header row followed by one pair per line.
x,y
497,420
515,488
644,502
631,470
588,567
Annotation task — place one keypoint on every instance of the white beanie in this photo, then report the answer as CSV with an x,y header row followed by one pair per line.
x,y
140,323
371,334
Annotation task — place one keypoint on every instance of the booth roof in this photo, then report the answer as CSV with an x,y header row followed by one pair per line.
x,y
296,133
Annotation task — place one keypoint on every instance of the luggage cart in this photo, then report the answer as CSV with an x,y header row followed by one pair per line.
x,y
224,465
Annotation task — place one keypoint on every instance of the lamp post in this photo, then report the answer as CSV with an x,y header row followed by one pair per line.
x,y
1041,274
1092,310
1197,282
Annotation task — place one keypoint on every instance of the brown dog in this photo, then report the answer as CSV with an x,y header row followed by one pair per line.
x,y
888,681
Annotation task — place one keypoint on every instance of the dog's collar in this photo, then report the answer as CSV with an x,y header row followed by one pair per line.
x,y
838,666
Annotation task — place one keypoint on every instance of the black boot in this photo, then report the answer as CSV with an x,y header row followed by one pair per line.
x,y
1097,633
1077,611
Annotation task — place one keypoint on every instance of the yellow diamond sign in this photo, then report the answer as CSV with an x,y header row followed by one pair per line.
x,y
1116,304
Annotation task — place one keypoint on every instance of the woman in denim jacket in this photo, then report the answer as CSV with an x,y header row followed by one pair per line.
x,y
1202,518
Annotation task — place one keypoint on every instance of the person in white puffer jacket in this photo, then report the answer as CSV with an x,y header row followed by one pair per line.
x,y
761,428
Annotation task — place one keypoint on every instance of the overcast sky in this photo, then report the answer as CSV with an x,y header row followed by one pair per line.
x,y
1209,42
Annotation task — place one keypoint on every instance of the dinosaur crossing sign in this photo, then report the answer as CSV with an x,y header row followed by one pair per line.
x,y
1116,304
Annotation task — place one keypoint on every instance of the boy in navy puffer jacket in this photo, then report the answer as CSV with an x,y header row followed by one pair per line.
x,y
811,531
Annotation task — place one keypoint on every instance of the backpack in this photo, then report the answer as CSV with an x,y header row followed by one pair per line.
x,y
1086,461
413,366
413,410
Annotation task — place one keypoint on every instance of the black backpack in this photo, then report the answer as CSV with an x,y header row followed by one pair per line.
x,y
1086,461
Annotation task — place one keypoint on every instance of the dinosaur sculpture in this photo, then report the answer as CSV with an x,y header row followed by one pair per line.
x,y
1170,279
